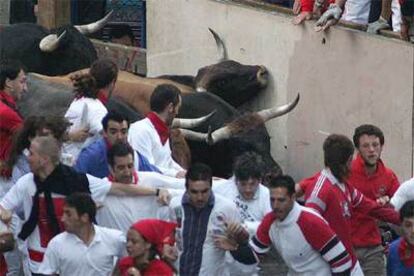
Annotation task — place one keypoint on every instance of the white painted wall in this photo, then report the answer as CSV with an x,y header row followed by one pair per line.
x,y
353,78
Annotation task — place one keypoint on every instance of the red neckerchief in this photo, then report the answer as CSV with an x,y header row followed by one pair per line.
x,y
134,178
406,253
161,128
102,97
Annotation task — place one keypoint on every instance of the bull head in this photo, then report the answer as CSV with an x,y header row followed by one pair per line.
x,y
51,42
250,121
234,82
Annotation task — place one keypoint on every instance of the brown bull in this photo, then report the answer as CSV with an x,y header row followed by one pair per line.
x,y
136,92
131,89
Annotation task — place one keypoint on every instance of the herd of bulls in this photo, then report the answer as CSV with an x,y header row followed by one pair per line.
x,y
221,88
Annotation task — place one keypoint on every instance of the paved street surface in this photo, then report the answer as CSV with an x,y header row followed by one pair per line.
x,y
273,265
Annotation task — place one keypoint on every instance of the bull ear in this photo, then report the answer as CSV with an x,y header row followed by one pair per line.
x,y
93,27
51,42
220,46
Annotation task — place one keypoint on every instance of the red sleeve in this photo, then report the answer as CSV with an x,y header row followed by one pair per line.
x,y
322,238
319,197
10,120
370,207
124,264
261,242
394,185
306,5
157,268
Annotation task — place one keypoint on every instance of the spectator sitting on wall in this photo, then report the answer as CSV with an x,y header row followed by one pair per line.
x,y
382,13
306,9
122,34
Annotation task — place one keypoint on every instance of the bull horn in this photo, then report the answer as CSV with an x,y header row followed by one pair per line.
x,y
93,27
51,42
210,138
191,123
220,46
197,136
267,114
274,112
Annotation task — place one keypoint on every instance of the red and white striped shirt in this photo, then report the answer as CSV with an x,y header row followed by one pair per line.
x,y
335,201
305,241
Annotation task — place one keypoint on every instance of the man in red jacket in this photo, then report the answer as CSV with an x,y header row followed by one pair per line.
x,y
12,85
375,181
330,193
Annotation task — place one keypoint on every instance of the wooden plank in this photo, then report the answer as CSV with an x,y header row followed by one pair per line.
x,y
4,11
53,14
131,59
62,13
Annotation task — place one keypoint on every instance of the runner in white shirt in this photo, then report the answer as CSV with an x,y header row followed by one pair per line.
x,y
202,220
84,248
150,136
121,212
250,197
39,195
404,193
302,237
85,113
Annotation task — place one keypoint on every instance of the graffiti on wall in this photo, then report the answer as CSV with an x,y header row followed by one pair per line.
x,y
131,59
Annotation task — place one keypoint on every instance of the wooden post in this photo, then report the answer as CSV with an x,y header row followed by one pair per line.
x,y
4,11
53,14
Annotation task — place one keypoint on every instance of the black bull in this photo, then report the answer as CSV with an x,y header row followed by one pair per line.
x,y
21,42
46,98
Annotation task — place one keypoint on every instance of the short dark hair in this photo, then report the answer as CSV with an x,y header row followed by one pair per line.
x,y
83,204
337,150
119,149
407,210
104,71
9,69
163,95
283,181
249,164
367,130
113,116
198,171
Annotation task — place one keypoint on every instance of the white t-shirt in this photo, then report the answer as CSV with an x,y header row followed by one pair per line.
x,y
251,211
85,113
68,255
144,138
121,212
357,11
20,197
404,193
